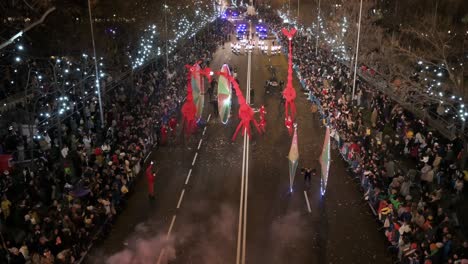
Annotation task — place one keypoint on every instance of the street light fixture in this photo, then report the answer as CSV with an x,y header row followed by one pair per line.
x,y
167,37
357,52
318,29
98,86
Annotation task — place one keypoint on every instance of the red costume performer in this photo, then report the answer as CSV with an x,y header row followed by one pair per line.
x,y
246,114
163,135
289,93
173,126
150,178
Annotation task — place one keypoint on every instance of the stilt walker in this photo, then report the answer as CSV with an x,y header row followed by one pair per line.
x,y
289,93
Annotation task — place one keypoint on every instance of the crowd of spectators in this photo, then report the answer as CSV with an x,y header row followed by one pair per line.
x,y
410,175
53,208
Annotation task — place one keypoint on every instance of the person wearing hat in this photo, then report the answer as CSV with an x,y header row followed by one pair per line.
x,y
173,126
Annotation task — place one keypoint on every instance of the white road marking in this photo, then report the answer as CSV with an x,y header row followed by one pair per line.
x,y
246,193
161,256
194,158
180,198
242,228
239,229
199,144
148,156
307,201
171,226
163,251
208,120
188,176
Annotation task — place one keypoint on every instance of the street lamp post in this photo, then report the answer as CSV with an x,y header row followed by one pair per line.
x,y
357,51
167,36
98,85
318,30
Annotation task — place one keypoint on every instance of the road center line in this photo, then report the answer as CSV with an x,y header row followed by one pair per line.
x,y
204,131
242,228
194,158
199,143
239,229
247,146
307,201
148,156
180,198
208,120
188,176
246,193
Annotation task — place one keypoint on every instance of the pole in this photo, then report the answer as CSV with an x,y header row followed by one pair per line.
x,y
357,52
463,135
98,85
167,36
318,29
19,34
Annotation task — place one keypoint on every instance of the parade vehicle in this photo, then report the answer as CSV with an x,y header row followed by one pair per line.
x,y
261,31
236,47
233,13
275,49
242,31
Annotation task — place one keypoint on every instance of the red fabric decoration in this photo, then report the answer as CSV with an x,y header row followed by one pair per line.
x,y
189,109
246,114
150,178
289,93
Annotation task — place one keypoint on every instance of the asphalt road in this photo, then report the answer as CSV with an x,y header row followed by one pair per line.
x,y
195,218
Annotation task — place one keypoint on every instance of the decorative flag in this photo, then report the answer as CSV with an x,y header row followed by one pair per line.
x,y
224,95
293,159
198,88
325,162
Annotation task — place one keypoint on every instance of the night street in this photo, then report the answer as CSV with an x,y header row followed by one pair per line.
x,y
279,229
233,132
